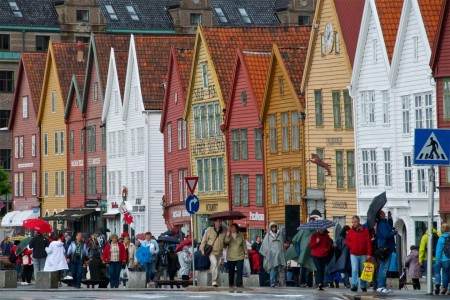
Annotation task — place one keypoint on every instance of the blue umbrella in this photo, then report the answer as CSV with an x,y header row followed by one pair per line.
x,y
317,225
143,255
168,240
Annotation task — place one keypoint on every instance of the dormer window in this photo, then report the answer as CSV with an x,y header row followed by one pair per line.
x,y
221,15
244,15
15,9
132,13
111,12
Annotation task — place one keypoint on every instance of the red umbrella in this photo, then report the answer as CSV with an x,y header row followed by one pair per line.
x,y
140,236
227,215
38,225
183,243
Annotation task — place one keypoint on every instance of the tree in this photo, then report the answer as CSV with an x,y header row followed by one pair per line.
x,y
5,186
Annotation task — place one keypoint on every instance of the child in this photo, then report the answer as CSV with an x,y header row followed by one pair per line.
x,y
254,259
412,263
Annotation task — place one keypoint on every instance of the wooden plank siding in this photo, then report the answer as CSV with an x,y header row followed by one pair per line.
x,y
328,73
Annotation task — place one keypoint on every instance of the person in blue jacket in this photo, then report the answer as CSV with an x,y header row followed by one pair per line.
x,y
442,257
385,236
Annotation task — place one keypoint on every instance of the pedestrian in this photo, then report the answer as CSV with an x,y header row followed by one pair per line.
x,y
6,246
18,260
150,267
443,257
130,249
359,242
38,244
413,265
27,266
115,256
254,259
162,265
273,251
98,271
76,255
174,265
236,253
215,237
56,258
257,243
321,246
423,257
301,241
386,243
185,260
93,244
343,255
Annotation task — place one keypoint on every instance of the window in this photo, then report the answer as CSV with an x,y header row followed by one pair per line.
x,y
387,168
104,181
244,15
337,109
4,118
318,107
179,134
419,115
421,181
273,133
235,144
63,183
61,134
211,123
119,182
405,115
83,39
221,15
72,182
210,178
280,85
45,184
304,20
244,189
92,172
21,184
348,110
184,133
56,142
33,145
82,15
5,159
169,137
91,138
320,171
337,43
428,110
57,184
140,136
103,137
16,147
6,81
258,144
170,185
132,13
196,19
121,142
244,98
4,42
274,186
259,189
24,107
71,142
53,101
217,111
237,189
82,182
285,131
369,165
408,173
385,107
33,183
297,185
339,169
244,144
82,142
182,186
204,75
351,169
16,184
21,147
15,9
415,41
95,91
322,44
446,96
45,144
295,130
286,185
368,107
112,14
204,122
374,51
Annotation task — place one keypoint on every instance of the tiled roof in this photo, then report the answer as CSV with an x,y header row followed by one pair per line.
x,y
439,42
258,65
261,12
389,12
34,65
80,84
121,66
294,61
223,43
184,60
281,5
431,10
42,15
66,63
152,15
350,15
152,55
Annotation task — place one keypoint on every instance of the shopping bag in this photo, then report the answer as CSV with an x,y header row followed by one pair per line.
x,y
393,265
88,274
246,270
367,273
124,273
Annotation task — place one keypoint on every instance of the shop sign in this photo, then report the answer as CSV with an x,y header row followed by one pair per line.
x,y
256,216
27,165
339,204
91,203
180,213
212,207
77,163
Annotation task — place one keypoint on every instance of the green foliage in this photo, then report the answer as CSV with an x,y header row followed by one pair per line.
x,y
5,186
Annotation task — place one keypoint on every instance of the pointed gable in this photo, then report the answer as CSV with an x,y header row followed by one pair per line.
x,y
389,12
441,43
430,10
350,14
258,66
75,93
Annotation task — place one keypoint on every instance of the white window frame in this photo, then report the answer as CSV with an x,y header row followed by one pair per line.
x,y
170,183
33,183
45,144
406,126
46,184
287,185
407,165
421,180
21,146
274,186
33,145
16,147
184,134
25,107
369,167
62,180
21,184
386,107
16,184
179,134
387,168
56,186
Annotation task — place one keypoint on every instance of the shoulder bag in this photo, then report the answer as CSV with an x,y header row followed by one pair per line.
x,y
208,248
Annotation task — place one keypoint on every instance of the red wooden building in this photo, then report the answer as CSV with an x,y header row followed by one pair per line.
x,y
176,143
244,139
440,65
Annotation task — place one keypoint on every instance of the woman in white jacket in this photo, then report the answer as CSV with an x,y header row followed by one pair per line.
x,y
185,260
56,258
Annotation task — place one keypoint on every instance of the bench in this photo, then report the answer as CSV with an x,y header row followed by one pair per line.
x,y
183,283
5,263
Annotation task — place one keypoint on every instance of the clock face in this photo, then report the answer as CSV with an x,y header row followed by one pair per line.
x,y
329,35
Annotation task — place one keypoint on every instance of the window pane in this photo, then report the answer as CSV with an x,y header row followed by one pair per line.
x,y
320,170
258,143
285,131
244,147
273,133
237,190
337,109
245,201
318,107
259,190
339,169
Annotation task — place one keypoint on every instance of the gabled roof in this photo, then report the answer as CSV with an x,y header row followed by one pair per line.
x,y
75,93
33,65
121,67
350,14
389,13
430,10
29,14
261,12
443,25
151,52
150,16
184,63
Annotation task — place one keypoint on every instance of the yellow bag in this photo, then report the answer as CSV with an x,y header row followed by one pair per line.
x,y
367,273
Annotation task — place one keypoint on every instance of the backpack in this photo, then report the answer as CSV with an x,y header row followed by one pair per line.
x,y
447,246
12,256
163,258
435,241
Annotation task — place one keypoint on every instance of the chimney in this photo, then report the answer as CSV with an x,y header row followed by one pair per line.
x,y
79,48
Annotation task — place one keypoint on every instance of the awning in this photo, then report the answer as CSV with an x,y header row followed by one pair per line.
x,y
8,218
24,215
71,214
111,214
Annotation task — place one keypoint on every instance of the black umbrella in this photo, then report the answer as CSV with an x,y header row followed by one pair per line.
x,y
374,208
168,240
169,232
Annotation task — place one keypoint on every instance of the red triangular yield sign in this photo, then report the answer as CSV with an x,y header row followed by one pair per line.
x,y
191,183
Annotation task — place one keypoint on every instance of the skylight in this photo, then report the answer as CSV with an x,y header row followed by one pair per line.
x,y
111,12
132,13
244,15
221,15
15,9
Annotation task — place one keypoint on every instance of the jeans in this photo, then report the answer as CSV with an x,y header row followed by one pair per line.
x,y
321,263
445,273
273,275
382,271
114,273
149,269
357,267
76,268
305,276
436,272
18,270
38,265
232,265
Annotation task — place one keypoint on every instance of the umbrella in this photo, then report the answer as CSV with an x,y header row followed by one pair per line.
x,y
291,253
316,225
169,232
23,245
140,236
143,255
38,225
374,208
180,246
18,238
227,215
168,240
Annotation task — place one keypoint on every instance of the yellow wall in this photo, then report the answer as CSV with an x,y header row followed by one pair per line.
x,y
329,72
51,122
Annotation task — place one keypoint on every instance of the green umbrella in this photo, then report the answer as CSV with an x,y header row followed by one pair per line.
x,y
291,253
23,245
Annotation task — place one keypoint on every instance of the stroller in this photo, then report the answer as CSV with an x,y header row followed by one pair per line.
x,y
402,280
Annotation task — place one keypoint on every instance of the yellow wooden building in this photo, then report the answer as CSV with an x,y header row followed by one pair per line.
x,y
63,60
329,137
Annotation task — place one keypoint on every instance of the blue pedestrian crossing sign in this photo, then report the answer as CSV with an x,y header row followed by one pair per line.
x,y
432,147
192,204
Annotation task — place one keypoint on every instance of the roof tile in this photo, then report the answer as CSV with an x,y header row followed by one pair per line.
x,y
431,10
184,60
42,15
34,65
389,12
261,12
294,61
258,66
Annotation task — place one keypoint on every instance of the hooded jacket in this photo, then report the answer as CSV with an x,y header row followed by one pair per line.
x,y
272,249
185,261
237,247
440,255
424,245
56,260
210,236
414,266
385,234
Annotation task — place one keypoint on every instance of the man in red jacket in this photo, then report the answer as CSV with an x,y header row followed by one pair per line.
x,y
359,243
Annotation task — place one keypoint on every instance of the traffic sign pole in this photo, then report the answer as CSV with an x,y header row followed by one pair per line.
x,y
193,256
430,231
